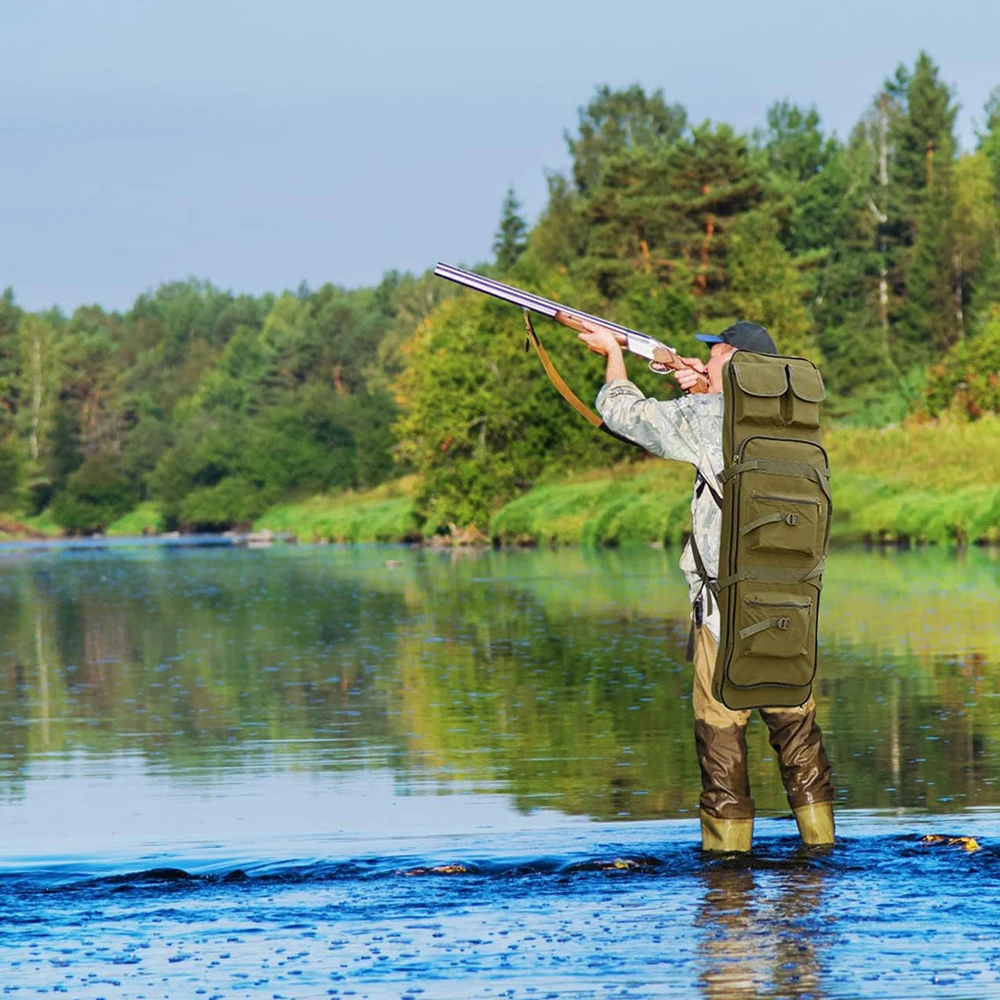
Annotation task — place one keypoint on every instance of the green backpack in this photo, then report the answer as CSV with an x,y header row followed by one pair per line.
x,y
775,530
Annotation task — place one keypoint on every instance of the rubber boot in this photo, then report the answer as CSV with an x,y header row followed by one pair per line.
x,y
815,823
729,836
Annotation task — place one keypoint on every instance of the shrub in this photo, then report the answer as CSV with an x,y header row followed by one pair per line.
x,y
98,493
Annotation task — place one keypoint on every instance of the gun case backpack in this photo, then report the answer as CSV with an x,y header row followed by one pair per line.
x,y
775,530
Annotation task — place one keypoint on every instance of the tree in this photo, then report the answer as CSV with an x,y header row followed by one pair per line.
x,y
806,175
11,473
989,140
509,242
766,287
923,147
559,238
480,419
967,378
98,493
793,143
617,121
669,213
974,241
10,359
40,369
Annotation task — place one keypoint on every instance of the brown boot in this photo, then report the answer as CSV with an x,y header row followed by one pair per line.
x,y
726,806
805,770
815,823
725,835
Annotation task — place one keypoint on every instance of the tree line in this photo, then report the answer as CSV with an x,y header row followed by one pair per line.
x,y
877,255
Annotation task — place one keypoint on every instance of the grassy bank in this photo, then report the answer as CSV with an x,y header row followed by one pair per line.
x,y
934,482
384,514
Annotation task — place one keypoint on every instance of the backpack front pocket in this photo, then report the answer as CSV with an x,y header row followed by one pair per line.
x,y
762,386
782,523
802,403
774,626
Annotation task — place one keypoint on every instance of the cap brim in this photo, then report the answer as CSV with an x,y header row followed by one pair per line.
x,y
709,338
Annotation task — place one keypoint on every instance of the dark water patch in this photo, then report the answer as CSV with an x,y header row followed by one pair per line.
x,y
912,856
876,916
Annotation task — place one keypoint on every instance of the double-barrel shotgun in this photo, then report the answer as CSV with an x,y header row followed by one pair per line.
x,y
661,358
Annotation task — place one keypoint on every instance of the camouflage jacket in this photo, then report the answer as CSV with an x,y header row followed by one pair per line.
x,y
688,429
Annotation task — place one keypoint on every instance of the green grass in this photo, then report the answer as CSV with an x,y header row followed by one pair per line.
x,y
933,482
40,524
617,509
385,514
146,519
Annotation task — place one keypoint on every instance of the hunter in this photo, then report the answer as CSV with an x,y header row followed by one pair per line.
x,y
689,429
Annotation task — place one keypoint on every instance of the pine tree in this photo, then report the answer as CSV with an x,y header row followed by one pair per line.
x,y
920,205
616,121
510,240
805,174
766,287
669,213
851,299
10,317
989,140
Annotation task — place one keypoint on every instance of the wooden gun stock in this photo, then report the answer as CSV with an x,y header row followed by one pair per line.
x,y
665,359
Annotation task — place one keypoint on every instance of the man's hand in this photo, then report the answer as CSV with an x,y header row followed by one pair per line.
x,y
601,339
688,376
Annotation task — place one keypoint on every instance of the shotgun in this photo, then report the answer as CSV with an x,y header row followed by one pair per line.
x,y
661,358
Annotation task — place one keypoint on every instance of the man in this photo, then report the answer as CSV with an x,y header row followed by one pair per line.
x,y
689,429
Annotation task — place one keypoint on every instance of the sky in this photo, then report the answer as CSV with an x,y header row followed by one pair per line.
x,y
258,144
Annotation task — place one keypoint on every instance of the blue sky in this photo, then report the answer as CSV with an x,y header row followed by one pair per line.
x,y
257,143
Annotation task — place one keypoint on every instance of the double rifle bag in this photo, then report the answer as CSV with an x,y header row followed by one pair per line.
x,y
775,529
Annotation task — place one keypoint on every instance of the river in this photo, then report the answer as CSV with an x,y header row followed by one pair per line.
x,y
384,772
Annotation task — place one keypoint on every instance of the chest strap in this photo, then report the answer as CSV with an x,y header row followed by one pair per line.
x,y
762,575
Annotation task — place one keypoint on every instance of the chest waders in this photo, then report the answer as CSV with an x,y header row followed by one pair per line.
x,y
775,531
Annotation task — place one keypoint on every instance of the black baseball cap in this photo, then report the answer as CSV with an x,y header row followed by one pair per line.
x,y
743,336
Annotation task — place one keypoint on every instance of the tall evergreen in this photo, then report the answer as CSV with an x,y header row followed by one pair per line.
x,y
989,138
617,121
670,213
510,240
920,207
10,317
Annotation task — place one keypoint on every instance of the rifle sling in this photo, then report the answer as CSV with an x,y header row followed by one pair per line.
x,y
562,388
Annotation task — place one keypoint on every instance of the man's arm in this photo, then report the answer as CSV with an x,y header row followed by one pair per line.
x,y
602,340
672,428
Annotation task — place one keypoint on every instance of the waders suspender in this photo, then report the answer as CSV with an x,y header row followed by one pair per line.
x,y
709,584
560,383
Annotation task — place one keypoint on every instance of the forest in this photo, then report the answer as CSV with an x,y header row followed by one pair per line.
x,y
876,254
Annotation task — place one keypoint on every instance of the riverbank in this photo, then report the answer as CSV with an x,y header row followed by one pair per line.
x,y
934,482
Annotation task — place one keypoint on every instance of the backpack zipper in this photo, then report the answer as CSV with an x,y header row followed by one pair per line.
x,y
756,495
756,603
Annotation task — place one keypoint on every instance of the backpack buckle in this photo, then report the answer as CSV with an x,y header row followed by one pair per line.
x,y
792,519
783,622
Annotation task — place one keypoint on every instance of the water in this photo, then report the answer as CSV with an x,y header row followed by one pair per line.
x,y
302,772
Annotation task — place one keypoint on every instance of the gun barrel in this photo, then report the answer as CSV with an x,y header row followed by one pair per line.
x,y
507,293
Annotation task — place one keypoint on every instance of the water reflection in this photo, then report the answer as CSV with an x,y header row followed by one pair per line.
x,y
761,936
554,677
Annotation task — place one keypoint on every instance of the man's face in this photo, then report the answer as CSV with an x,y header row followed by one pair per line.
x,y
716,359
